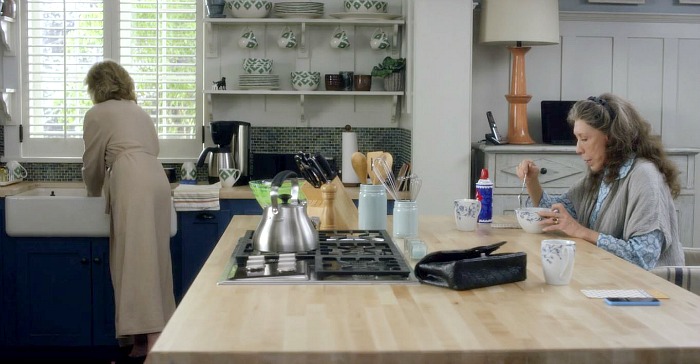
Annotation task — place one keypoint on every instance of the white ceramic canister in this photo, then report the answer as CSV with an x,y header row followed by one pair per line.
x,y
405,219
371,207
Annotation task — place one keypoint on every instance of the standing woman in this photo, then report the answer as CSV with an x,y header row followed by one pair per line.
x,y
624,204
121,159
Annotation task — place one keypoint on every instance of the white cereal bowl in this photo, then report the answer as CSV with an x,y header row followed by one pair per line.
x,y
249,8
529,219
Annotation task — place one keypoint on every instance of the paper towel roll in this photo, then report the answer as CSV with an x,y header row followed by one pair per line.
x,y
349,147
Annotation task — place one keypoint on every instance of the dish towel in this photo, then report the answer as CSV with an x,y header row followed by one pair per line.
x,y
196,197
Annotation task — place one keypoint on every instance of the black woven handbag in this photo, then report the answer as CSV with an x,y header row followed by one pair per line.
x,y
472,268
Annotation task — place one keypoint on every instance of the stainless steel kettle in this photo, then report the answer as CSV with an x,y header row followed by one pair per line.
x,y
285,227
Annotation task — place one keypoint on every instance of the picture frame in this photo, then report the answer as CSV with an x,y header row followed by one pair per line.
x,y
632,2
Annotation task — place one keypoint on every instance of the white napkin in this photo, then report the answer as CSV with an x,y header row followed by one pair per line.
x,y
196,197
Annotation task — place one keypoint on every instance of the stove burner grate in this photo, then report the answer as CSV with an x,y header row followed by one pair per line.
x,y
342,255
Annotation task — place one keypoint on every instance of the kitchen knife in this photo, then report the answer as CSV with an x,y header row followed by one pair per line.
x,y
323,162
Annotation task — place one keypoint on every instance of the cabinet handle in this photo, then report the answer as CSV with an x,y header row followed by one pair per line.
x,y
84,261
97,260
205,216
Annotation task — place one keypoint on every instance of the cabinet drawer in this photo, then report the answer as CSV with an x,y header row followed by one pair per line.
x,y
563,170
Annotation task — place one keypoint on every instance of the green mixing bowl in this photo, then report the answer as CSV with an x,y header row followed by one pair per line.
x,y
261,190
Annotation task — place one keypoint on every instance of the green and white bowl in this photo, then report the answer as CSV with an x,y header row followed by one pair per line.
x,y
365,6
305,80
249,8
257,66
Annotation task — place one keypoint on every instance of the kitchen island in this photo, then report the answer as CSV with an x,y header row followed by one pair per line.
x,y
528,321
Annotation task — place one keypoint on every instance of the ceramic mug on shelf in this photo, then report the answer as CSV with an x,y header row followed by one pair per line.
x,y
466,212
340,39
558,260
229,176
188,173
287,39
248,40
379,40
15,171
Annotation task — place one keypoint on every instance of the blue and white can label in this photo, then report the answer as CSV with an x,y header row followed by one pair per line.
x,y
484,193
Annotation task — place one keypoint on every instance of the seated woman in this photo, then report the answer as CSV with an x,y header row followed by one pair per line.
x,y
624,204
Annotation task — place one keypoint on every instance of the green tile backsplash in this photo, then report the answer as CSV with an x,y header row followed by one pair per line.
x,y
327,141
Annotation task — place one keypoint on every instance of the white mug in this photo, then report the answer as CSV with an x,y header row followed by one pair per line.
x,y
229,176
558,261
466,213
188,172
15,171
287,39
379,40
248,40
340,39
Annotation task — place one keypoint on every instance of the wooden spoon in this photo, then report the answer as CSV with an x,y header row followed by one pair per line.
x,y
359,164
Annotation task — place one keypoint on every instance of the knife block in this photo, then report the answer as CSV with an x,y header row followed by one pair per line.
x,y
332,205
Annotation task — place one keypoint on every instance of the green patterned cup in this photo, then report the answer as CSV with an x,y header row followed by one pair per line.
x,y
340,39
287,39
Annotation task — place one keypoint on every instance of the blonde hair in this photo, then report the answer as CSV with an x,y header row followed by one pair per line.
x,y
107,80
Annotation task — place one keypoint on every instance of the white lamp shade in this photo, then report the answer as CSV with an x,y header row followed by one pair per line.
x,y
532,22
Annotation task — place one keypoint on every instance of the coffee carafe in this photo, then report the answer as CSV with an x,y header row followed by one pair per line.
x,y
233,150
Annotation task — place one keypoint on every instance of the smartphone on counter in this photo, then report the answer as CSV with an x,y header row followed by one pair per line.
x,y
632,301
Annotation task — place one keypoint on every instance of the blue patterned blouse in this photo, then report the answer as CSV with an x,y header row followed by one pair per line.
x,y
643,250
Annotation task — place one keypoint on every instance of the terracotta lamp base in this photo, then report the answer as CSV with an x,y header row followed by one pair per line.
x,y
518,98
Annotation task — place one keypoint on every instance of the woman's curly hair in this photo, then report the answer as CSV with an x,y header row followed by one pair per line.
x,y
628,134
107,80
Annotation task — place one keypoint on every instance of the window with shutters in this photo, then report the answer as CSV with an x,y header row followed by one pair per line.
x,y
155,40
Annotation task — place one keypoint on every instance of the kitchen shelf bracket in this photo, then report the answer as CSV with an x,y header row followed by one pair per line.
x,y
395,41
303,51
395,106
302,117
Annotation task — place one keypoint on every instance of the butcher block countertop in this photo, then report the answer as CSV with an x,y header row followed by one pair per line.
x,y
528,321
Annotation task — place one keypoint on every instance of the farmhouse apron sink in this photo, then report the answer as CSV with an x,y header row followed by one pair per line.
x,y
60,212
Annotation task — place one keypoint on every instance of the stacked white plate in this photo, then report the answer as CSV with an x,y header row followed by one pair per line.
x,y
295,9
259,82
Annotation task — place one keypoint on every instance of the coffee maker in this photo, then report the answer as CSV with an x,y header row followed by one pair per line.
x,y
233,150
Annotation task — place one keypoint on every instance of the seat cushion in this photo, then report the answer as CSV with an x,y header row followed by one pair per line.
x,y
682,276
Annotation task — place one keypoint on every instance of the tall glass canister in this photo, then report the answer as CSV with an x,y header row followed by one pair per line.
x,y
405,219
371,207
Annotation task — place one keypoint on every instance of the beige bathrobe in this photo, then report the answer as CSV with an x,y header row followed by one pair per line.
x,y
121,150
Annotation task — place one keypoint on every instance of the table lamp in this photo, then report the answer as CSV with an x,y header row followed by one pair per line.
x,y
519,24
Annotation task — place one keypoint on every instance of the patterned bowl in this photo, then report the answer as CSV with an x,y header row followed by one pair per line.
x,y
249,8
529,219
257,66
305,80
364,6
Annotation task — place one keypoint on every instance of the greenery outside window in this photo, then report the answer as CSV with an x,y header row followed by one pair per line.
x,y
155,40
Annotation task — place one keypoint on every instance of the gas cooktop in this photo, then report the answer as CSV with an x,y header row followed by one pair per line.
x,y
343,257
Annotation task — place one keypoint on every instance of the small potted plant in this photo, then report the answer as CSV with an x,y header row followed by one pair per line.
x,y
392,71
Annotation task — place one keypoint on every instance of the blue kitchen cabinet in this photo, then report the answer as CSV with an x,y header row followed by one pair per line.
x,y
198,232
3,238
60,292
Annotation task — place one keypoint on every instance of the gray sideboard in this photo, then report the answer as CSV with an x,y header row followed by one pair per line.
x,y
564,167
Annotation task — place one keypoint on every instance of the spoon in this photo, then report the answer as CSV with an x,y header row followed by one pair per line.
x,y
522,190
359,164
